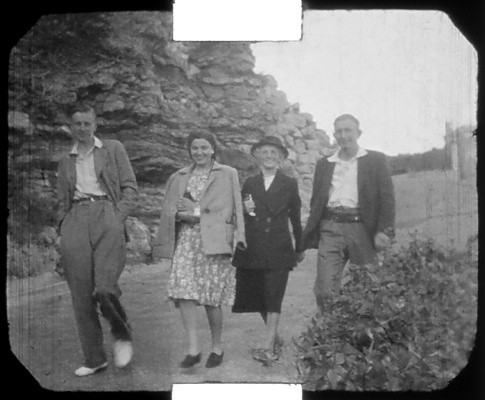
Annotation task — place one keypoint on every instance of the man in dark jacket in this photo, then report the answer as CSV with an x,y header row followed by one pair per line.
x,y
97,190
352,209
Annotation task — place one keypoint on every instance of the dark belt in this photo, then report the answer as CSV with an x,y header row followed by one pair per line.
x,y
342,215
90,198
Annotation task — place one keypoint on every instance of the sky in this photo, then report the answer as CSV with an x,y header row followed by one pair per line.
x,y
403,74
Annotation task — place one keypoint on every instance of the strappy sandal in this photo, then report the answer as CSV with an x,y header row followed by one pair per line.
x,y
264,356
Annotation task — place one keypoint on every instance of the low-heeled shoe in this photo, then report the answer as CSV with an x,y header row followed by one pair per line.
x,y
86,371
190,361
123,353
214,360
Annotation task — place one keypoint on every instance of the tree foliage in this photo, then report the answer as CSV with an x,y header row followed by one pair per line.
x,y
407,324
435,159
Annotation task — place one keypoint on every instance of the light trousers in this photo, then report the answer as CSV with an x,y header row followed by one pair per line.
x,y
339,243
93,254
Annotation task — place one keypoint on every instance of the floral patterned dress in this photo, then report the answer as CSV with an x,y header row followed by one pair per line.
x,y
207,279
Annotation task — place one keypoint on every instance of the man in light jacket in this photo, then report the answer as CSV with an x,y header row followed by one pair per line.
x,y
97,190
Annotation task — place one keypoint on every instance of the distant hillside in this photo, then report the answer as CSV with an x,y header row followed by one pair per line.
x,y
435,159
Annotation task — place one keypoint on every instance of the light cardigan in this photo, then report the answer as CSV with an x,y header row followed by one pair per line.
x,y
221,212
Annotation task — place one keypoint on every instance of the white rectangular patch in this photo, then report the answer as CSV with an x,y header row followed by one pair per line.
x,y
248,21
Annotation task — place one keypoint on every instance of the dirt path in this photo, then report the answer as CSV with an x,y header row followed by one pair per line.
x,y
43,335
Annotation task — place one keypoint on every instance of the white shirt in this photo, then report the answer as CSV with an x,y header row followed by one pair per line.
x,y
343,188
268,180
87,183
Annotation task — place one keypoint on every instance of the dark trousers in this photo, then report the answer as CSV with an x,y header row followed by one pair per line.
x,y
339,243
93,253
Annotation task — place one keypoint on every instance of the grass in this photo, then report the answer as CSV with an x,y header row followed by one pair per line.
x,y
437,204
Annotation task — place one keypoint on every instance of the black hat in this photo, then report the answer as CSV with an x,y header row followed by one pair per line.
x,y
270,141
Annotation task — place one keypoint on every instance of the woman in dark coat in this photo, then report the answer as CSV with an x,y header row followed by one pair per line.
x,y
262,269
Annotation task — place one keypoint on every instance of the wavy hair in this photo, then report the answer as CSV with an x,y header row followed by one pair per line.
x,y
202,135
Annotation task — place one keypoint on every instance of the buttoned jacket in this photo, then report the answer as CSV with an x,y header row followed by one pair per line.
x,y
375,196
115,175
221,214
269,242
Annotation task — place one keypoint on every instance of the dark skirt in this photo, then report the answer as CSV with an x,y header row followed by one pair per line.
x,y
260,291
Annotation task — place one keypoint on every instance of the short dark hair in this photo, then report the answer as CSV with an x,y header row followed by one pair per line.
x,y
345,117
202,135
82,108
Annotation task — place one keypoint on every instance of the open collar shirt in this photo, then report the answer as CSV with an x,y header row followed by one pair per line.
x,y
268,180
87,183
343,188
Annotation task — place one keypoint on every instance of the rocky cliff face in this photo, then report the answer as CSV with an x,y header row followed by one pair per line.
x,y
149,93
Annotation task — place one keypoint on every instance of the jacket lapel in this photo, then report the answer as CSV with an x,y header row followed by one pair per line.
x,y
101,168
268,196
275,185
100,155
258,188
212,176
321,197
327,179
184,180
362,167
71,173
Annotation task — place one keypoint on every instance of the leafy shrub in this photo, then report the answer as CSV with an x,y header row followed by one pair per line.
x,y
432,160
407,324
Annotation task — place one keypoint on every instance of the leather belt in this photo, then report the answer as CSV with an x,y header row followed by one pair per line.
x,y
342,215
90,198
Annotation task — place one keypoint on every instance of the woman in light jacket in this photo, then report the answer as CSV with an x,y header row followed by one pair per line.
x,y
201,223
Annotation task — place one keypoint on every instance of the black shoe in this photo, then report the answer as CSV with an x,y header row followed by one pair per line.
x,y
214,360
190,361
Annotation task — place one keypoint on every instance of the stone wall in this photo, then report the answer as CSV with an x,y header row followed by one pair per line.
x,y
149,93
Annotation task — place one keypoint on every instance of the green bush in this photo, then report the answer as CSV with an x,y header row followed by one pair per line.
x,y
407,324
